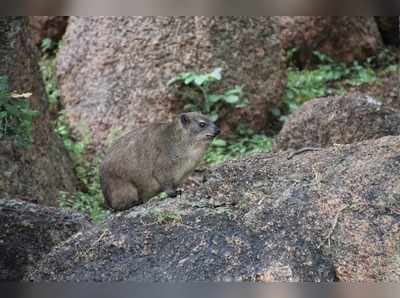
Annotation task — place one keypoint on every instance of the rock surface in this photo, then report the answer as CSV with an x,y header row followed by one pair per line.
x,y
324,122
323,216
344,38
52,27
113,71
29,231
43,169
390,29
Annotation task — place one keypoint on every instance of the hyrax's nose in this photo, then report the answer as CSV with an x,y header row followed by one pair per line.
x,y
217,131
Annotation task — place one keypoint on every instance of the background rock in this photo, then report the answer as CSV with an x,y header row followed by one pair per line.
x,y
324,122
52,27
29,231
390,29
44,169
322,216
344,38
113,71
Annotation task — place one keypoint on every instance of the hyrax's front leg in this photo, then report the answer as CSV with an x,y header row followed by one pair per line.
x,y
167,185
164,172
122,195
171,191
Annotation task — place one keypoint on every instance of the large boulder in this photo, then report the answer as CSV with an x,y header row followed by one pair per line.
x,y
343,38
324,122
43,169
113,71
29,231
322,216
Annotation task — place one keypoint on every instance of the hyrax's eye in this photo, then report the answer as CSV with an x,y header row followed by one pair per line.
x,y
202,124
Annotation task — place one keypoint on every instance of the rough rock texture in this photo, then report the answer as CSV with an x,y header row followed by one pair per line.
x,y
113,71
52,27
344,38
28,232
390,29
42,170
331,214
324,122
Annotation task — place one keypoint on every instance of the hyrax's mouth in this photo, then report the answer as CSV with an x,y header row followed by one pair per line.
x,y
210,137
213,134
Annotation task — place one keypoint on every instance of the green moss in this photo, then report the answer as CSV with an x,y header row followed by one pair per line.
x,y
165,216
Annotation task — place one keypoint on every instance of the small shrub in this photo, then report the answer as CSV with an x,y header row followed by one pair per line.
x,y
198,93
76,149
89,201
48,70
328,78
244,142
16,117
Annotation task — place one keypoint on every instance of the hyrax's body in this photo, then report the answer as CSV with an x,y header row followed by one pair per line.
x,y
153,159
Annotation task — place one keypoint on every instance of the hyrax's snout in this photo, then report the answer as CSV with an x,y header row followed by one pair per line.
x,y
213,131
217,131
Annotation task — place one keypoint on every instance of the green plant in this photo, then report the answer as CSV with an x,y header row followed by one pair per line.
x,y
362,74
199,94
16,117
244,142
63,129
48,45
197,90
327,78
90,200
48,70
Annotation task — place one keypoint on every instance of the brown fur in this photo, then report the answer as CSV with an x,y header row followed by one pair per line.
x,y
153,159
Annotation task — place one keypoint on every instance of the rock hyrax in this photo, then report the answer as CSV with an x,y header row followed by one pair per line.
x,y
153,159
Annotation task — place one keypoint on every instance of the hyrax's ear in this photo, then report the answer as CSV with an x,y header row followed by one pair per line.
x,y
184,119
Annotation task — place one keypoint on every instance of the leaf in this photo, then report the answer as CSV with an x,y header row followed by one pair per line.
x,y
188,107
30,114
236,91
214,117
214,98
200,79
189,79
231,99
172,81
219,143
216,74
180,78
276,112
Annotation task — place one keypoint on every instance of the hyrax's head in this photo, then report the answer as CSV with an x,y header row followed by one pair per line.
x,y
197,127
